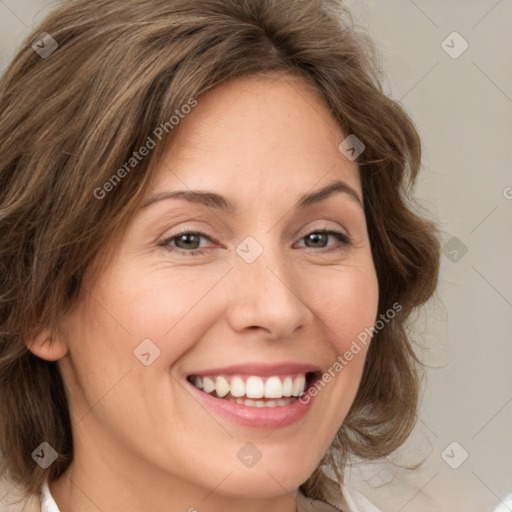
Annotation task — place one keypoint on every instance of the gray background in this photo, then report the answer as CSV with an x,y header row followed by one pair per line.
x,y
463,109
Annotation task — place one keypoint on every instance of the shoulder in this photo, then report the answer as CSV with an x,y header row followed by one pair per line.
x,y
305,504
357,502
354,502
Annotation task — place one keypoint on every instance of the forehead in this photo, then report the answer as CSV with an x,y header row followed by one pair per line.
x,y
257,135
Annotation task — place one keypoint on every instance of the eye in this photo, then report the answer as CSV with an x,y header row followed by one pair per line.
x,y
319,239
187,241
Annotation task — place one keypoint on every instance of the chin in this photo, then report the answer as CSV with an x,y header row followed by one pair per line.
x,y
268,478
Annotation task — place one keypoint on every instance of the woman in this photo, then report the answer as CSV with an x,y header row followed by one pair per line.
x,y
208,258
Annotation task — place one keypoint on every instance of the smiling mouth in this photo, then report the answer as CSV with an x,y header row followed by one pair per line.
x,y
255,391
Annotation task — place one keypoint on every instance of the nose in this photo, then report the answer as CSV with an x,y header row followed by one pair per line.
x,y
266,296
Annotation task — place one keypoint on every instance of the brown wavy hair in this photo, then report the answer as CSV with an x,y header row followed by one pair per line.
x,y
69,121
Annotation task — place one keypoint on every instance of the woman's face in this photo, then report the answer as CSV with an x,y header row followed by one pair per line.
x,y
252,298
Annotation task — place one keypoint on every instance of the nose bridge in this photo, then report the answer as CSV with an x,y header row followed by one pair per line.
x,y
267,293
263,263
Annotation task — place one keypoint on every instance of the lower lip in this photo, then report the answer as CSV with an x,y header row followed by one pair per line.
x,y
257,417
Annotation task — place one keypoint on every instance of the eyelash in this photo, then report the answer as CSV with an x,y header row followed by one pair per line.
x,y
346,241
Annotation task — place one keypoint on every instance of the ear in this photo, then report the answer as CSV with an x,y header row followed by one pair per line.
x,y
42,345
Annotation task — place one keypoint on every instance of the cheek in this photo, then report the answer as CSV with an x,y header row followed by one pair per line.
x,y
131,306
168,306
347,304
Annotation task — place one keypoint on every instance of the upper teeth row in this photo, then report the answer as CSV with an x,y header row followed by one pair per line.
x,y
252,387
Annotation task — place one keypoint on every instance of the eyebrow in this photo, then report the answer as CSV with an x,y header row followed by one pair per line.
x,y
213,200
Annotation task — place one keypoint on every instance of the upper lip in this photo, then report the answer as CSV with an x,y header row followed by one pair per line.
x,y
260,369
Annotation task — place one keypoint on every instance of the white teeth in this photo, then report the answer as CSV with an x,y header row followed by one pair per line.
x,y
208,385
237,387
254,387
274,388
298,385
263,403
287,386
221,386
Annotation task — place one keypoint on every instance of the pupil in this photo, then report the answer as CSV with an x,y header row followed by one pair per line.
x,y
186,239
316,237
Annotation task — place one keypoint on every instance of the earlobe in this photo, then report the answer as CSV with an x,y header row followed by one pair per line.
x,y
46,347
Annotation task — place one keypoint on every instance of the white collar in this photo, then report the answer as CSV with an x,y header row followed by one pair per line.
x,y
47,502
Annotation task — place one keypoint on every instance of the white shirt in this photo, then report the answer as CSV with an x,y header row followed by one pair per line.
x,y
47,502
356,501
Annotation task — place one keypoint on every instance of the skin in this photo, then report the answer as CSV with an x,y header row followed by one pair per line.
x,y
142,442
